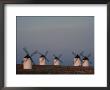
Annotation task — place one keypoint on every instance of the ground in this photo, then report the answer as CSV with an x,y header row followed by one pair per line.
x,y
51,69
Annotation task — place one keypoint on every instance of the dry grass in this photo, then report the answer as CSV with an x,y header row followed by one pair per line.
x,y
51,69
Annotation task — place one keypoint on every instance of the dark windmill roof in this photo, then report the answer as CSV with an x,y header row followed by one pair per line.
x,y
85,58
57,58
42,56
77,56
27,56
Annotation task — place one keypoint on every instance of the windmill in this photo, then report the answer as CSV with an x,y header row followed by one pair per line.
x,y
27,60
77,59
57,60
43,58
85,60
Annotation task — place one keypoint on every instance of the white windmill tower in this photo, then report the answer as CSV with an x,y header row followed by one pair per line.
x,y
27,60
57,60
43,58
85,61
77,59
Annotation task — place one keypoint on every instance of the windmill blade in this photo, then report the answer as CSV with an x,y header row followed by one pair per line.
x,y
54,55
26,51
46,53
90,62
46,59
60,56
74,53
61,61
32,60
35,52
39,53
81,53
92,57
88,55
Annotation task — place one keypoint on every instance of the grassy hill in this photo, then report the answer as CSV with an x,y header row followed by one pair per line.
x,y
51,69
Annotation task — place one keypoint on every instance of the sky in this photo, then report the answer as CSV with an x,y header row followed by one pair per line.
x,y
57,34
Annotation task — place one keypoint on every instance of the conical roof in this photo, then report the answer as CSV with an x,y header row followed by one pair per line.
x,y
57,58
77,56
27,56
42,56
85,58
